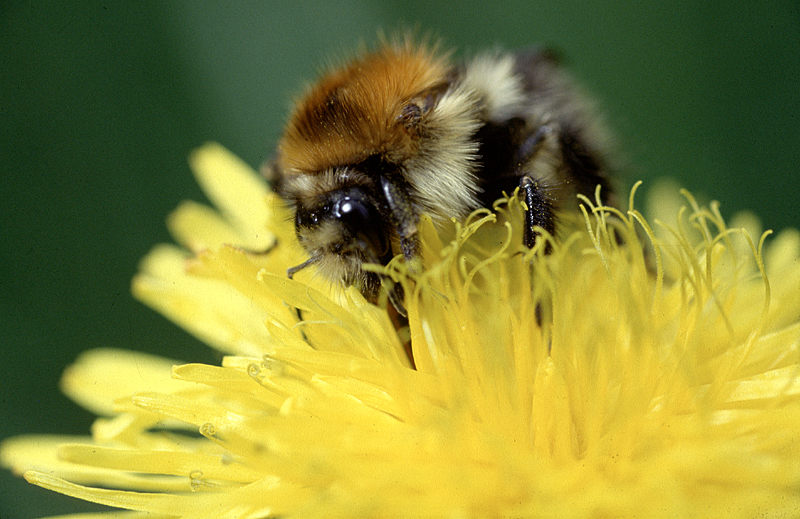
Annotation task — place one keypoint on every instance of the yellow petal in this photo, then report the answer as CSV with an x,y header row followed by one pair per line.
x,y
623,373
198,227
233,187
99,377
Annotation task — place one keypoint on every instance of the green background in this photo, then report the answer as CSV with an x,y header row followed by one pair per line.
x,y
100,104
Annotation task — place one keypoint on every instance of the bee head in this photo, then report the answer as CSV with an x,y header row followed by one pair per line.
x,y
344,222
367,150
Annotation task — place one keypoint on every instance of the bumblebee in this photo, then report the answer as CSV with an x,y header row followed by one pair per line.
x,y
402,131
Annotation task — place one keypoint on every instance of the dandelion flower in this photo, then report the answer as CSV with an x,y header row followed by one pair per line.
x,y
640,368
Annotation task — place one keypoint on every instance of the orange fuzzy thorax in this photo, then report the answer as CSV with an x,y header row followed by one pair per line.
x,y
356,111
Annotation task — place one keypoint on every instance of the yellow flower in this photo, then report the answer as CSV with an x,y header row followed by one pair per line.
x,y
639,369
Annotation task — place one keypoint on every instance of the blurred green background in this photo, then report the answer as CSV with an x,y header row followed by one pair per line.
x,y
101,103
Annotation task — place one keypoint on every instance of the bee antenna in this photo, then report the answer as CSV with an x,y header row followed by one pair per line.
x,y
290,272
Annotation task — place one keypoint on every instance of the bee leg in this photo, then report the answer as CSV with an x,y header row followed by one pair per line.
x,y
535,155
396,296
538,210
403,215
398,199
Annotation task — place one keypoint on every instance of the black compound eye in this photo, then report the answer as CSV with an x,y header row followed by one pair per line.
x,y
362,220
352,212
352,223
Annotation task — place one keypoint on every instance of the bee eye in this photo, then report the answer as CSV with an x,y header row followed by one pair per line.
x,y
363,221
352,212
357,219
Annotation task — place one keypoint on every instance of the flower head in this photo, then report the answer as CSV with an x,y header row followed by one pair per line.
x,y
637,368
